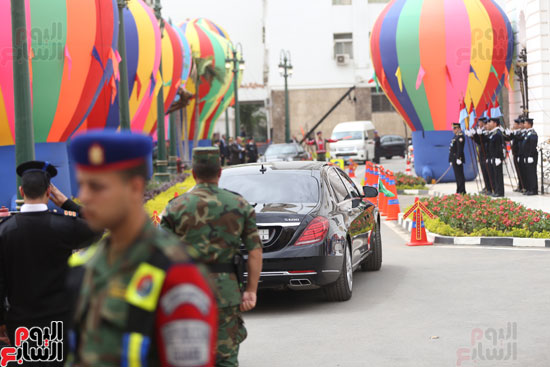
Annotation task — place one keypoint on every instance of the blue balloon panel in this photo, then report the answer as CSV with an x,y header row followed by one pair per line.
x,y
431,156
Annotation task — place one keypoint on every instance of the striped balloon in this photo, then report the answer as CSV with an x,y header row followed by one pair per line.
x,y
172,68
430,55
206,42
143,52
68,65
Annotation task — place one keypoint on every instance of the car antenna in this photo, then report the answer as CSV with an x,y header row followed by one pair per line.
x,y
263,170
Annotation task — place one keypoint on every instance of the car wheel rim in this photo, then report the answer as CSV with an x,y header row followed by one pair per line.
x,y
349,270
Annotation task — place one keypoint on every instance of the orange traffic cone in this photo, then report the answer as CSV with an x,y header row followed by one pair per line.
x,y
418,233
351,168
368,173
393,202
408,169
155,218
382,198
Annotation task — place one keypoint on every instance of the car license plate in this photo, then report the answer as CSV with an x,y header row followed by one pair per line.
x,y
264,234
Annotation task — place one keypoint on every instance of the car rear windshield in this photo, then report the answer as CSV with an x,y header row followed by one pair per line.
x,y
274,187
281,149
347,135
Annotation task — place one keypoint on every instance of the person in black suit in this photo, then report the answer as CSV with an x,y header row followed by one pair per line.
x,y
530,156
35,245
496,156
457,158
251,150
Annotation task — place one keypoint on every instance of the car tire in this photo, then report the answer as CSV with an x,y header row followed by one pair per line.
x,y
341,290
373,262
389,156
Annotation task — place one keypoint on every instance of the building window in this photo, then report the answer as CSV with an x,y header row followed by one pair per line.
x,y
341,2
380,103
343,44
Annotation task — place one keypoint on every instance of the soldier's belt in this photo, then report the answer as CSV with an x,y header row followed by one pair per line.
x,y
221,268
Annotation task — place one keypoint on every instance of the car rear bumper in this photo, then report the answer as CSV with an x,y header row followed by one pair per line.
x,y
357,156
300,272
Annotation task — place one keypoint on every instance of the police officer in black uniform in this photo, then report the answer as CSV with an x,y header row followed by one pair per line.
x,y
457,159
496,156
479,135
35,245
517,142
530,158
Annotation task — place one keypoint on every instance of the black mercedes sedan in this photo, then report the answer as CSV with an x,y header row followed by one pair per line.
x,y
316,226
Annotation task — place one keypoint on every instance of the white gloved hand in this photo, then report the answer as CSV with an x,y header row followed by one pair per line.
x,y
468,133
450,163
508,132
459,162
530,160
497,161
478,131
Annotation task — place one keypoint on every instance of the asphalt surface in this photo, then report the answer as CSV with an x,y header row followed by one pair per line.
x,y
428,306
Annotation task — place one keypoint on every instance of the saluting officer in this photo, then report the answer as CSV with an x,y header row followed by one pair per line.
x,y
214,223
142,301
457,159
34,247
479,135
496,156
530,156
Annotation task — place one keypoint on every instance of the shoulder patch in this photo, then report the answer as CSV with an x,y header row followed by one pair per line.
x,y
461,140
65,213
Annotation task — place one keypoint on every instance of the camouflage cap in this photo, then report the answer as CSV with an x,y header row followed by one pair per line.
x,y
208,155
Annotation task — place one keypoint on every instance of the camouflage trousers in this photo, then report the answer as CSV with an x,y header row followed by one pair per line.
x,y
231,333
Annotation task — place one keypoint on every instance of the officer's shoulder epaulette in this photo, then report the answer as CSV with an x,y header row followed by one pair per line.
x,y
65,213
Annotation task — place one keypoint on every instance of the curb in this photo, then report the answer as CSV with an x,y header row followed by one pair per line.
x,y
413,192
477,241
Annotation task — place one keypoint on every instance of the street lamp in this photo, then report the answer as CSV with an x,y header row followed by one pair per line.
x,y
162,163
234,59
123,89
24,133
285,69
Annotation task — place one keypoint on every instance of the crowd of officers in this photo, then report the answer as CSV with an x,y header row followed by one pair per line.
x,y
491,141
236,151
139,295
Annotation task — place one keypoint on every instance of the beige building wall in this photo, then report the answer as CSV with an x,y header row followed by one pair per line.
x,y
308,106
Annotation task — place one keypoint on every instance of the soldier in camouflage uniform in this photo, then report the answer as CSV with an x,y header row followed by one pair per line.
x,y
214,223
142,301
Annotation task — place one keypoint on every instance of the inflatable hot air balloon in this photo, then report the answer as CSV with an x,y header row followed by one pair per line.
x,y
67,69
429,57
143,52
172,69
206,42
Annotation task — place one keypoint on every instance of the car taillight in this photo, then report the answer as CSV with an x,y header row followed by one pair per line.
x,y
315,231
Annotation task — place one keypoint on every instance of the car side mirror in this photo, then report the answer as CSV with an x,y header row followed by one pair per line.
x,y
356,202
370,192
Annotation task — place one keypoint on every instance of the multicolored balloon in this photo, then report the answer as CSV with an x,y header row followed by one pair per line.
x,y
430,55
206,41
172,69
68,65
143,52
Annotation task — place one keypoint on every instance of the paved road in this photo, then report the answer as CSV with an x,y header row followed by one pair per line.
x,y
422,309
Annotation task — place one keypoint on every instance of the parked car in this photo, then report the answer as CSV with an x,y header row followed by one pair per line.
x,y
316,226
355,141
392,145
285,152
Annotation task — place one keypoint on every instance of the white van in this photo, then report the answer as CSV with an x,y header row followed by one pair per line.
x,y
355,141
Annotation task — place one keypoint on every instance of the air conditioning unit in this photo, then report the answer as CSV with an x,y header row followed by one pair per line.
x,y
342,59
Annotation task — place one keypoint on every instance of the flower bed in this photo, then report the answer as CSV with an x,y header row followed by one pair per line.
x,y
160,200
482,216
404,182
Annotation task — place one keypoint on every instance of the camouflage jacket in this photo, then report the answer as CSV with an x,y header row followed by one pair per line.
x,y
213,223
175,299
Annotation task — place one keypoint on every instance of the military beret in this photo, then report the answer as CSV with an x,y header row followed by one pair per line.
x,y
36,166
207,155
520,119
105,150
456,124
495,119
482,119
529,121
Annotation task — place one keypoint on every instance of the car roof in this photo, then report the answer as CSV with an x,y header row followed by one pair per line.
x,y
279,166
